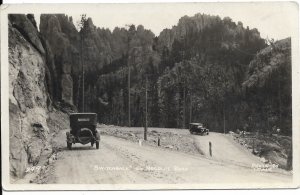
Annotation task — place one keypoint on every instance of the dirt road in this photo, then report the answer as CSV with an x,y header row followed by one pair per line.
x,y
122,162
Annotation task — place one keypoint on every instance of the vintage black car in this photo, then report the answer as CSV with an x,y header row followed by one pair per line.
x,y
83,129
198,128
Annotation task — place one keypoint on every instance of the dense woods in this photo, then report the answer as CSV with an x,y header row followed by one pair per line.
x,y
196,72
204,69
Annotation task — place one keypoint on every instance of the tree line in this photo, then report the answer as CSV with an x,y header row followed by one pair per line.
x,y
208,75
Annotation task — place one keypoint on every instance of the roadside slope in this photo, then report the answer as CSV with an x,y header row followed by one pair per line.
x,y
225,149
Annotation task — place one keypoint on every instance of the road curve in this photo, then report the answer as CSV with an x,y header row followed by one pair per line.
x,y
122,162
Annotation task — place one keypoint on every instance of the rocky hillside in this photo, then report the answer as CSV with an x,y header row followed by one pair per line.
x,y
268,85
33,119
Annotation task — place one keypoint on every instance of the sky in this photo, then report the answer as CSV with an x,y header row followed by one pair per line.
x,y
275,20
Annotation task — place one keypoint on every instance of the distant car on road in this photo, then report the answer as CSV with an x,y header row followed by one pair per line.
x,y
83,129
198,128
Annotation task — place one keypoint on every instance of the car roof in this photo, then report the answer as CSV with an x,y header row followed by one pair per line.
x,y
83,113
196,124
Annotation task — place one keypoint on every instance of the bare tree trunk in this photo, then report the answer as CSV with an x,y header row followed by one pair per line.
x,y
82,89
191,107
184,107
78,92
82,66
279,96
224,125
146,111
129,95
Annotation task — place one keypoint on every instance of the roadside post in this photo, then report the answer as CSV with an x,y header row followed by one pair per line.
x,y
158,141
210,149
253,145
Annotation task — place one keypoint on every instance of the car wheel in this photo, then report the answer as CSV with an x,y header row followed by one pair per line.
x,y
97,135
97,144
69,145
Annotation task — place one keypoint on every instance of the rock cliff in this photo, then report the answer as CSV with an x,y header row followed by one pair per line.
x,y
30,106
61,40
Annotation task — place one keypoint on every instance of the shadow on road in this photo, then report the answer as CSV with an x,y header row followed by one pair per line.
x,y
80,148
